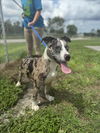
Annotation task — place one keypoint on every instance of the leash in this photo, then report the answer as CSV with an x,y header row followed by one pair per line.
x,y
32,27
37,34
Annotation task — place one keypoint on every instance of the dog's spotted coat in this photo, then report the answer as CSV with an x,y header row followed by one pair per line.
x,y
42,69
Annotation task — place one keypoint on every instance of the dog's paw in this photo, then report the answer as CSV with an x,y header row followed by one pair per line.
x,y
35,107
50,98
18,84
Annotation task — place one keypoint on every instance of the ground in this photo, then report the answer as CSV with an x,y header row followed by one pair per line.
x,y
76,108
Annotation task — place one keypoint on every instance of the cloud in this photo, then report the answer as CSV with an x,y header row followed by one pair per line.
x,y
73,10
94,1
11,10
84,13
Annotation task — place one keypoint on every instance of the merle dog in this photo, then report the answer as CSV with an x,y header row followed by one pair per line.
x,y
42,69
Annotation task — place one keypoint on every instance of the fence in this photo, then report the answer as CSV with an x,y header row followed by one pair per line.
x,y
10,28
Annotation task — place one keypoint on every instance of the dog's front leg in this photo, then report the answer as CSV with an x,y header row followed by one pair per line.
x,y
39,92
19,77
41,97
35,106
47,92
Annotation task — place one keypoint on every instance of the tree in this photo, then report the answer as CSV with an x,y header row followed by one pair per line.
x,y
98,32
90,34
72,30
17,29
12,29
56,25
8,27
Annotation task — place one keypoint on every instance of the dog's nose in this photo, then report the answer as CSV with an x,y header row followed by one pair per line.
x,y
67,57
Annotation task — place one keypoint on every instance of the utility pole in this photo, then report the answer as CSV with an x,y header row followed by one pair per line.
x,y
3,32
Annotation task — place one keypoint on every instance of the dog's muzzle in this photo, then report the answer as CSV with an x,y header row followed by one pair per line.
x,y
67,57
64,66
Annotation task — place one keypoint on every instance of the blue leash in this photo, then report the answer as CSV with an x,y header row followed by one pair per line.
x,y
37,34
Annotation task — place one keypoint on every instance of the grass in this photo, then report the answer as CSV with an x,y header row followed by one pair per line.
x,y
15,51
76,108
9,94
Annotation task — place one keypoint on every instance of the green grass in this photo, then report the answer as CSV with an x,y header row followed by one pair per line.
x,y
9,94
54,119
15,51
76,108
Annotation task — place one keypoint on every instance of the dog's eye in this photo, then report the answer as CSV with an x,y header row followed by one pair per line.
x,y
58,49
67,48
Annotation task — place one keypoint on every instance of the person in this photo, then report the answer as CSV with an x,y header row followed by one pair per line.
x,y
32,16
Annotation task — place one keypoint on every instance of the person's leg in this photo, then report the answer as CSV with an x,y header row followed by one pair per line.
x,y
36,41
29,41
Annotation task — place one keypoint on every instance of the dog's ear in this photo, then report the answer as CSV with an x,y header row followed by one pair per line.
x,y
66,39
48,39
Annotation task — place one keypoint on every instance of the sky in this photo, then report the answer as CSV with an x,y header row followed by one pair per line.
x,y
85,14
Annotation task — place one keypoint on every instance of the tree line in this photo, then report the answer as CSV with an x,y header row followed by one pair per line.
x,y
12,29
93,33
55,25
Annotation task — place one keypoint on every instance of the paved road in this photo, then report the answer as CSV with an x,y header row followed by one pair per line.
x,y
13,41
23,40
97,48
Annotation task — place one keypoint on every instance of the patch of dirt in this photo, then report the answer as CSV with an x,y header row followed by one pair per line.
x,y
23,103
19,109
10,70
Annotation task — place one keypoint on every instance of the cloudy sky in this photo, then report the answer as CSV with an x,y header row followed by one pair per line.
x,y
85,14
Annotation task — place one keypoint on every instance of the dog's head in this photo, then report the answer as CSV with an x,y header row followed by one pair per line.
x,y
57,50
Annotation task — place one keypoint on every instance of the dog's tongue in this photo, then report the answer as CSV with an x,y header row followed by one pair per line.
x,y
65,69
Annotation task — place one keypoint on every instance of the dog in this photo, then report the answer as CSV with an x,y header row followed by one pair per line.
x,y
43,69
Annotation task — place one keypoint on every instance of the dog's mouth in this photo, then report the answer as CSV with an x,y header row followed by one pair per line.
x,y
64,68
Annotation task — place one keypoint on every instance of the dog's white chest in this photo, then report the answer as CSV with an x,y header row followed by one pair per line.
x,y
52,74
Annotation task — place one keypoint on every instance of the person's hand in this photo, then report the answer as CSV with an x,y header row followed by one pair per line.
x,y
30,23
